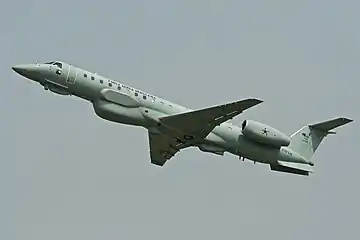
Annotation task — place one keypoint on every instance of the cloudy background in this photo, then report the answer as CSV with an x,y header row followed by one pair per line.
x,y
66,174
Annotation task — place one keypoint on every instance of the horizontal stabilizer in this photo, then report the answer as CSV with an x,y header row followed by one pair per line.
x,y
293,168
326,126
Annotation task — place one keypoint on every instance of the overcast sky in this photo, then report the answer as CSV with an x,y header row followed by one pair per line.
x,y
67,174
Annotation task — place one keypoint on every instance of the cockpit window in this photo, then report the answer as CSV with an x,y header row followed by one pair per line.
x,y
58,64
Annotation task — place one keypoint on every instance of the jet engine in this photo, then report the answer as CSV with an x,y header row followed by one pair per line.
x,y
264,134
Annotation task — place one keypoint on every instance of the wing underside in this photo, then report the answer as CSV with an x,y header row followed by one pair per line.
x,y
163,147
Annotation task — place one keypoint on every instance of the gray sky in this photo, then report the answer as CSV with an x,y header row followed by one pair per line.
x,y
66,174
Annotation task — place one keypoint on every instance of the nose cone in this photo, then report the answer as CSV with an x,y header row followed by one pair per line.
x,y
25,69
30,71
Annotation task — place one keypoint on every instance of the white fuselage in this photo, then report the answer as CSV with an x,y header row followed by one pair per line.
x,y
138,108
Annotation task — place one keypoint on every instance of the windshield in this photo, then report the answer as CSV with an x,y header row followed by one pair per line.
x,y
59,64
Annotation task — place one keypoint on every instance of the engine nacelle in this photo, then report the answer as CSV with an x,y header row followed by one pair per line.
x,y
264,134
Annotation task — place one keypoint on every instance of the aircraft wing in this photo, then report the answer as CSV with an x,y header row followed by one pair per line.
x,y
163,147
199,123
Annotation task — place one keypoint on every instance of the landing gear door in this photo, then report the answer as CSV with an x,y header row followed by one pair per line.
x,y
71,79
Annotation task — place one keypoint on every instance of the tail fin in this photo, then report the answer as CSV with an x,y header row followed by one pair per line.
x,y
307,139
305,142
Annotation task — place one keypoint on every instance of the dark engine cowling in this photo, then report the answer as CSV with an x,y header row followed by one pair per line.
x,y
264,134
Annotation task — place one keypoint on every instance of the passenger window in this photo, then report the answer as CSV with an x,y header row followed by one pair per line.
x,y
85,75
110,84
136,94
119,88
101,81
58,64
92,78
144,97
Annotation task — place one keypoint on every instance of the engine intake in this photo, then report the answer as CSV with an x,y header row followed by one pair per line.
x,y
264,134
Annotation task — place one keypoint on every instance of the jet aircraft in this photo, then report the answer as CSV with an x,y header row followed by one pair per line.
x,y
172,127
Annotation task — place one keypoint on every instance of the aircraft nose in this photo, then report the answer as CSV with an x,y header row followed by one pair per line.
x,y
23,69
30,71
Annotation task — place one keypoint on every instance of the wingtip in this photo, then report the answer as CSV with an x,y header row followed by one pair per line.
x,y
251,102
347,120
256,100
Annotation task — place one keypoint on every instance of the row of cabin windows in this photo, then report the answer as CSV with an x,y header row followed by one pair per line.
x,y
59,64
136,94
101,81
110,85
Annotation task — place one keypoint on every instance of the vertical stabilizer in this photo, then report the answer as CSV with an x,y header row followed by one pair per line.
x,y
307,139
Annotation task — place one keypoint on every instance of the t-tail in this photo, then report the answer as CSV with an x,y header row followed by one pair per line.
x,y
306,141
